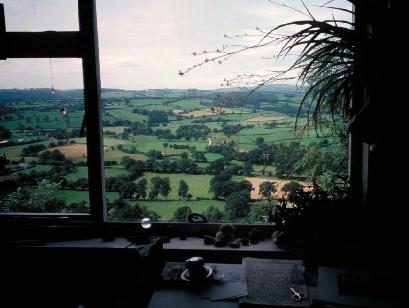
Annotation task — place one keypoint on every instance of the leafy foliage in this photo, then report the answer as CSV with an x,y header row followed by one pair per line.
x,y
183,189
237,204
314,219
45,198
213,214
266,189
182,213
121,210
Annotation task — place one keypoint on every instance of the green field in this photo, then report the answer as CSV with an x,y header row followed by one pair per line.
x,y
198,184
144,102
40,168
28,120
118,155
13,152
166,209
72,196
82,172
126,114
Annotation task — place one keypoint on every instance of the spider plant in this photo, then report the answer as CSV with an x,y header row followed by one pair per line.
x,y
326,63
326,54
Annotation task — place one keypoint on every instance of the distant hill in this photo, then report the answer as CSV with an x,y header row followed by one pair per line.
x,y
38,94
45,93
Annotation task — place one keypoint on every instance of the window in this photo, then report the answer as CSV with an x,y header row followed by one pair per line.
x,y
45,15
78,112
174,145
44,157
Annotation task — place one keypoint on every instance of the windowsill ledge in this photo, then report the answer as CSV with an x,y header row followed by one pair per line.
x,y
194,243
178,249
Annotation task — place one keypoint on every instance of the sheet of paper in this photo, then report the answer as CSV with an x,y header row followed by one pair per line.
x,y
269,282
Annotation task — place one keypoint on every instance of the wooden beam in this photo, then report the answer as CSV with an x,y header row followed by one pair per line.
x,y
41,45
2,29
93,110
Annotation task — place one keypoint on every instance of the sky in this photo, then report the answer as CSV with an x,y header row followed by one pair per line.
x,y
144,43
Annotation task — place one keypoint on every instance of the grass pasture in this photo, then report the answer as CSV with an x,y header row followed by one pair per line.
x,y
126,114
71,196
207,112
118,155
144,102
115,129
14,151
82,172
39,168
166,209
198,184
195,107
190,104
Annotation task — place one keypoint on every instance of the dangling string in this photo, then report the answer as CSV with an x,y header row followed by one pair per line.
x,y
51,77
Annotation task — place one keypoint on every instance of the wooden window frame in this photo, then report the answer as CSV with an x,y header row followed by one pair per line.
x,y
81,44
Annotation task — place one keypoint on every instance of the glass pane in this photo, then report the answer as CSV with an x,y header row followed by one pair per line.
x,y
43,159
177,141
44,15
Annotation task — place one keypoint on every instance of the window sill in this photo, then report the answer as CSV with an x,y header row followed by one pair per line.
x,y
177,250
180,250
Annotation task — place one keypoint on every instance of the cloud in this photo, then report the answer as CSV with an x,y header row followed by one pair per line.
x,y
144,43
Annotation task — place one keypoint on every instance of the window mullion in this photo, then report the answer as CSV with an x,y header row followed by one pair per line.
x,y
92,100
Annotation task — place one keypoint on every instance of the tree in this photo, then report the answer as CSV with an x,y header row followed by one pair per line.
x,y
165,187
266,189
141,189
79,207
5,133
182,213
259,141
127,162
247,168
121,210
135,171
51,157
126,190
165,145
213,214
217,166
183,189
292,187
45,198
237,205
3,162
155,188
262,212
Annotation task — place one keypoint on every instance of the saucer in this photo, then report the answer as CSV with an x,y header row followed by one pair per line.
x,y
185,274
